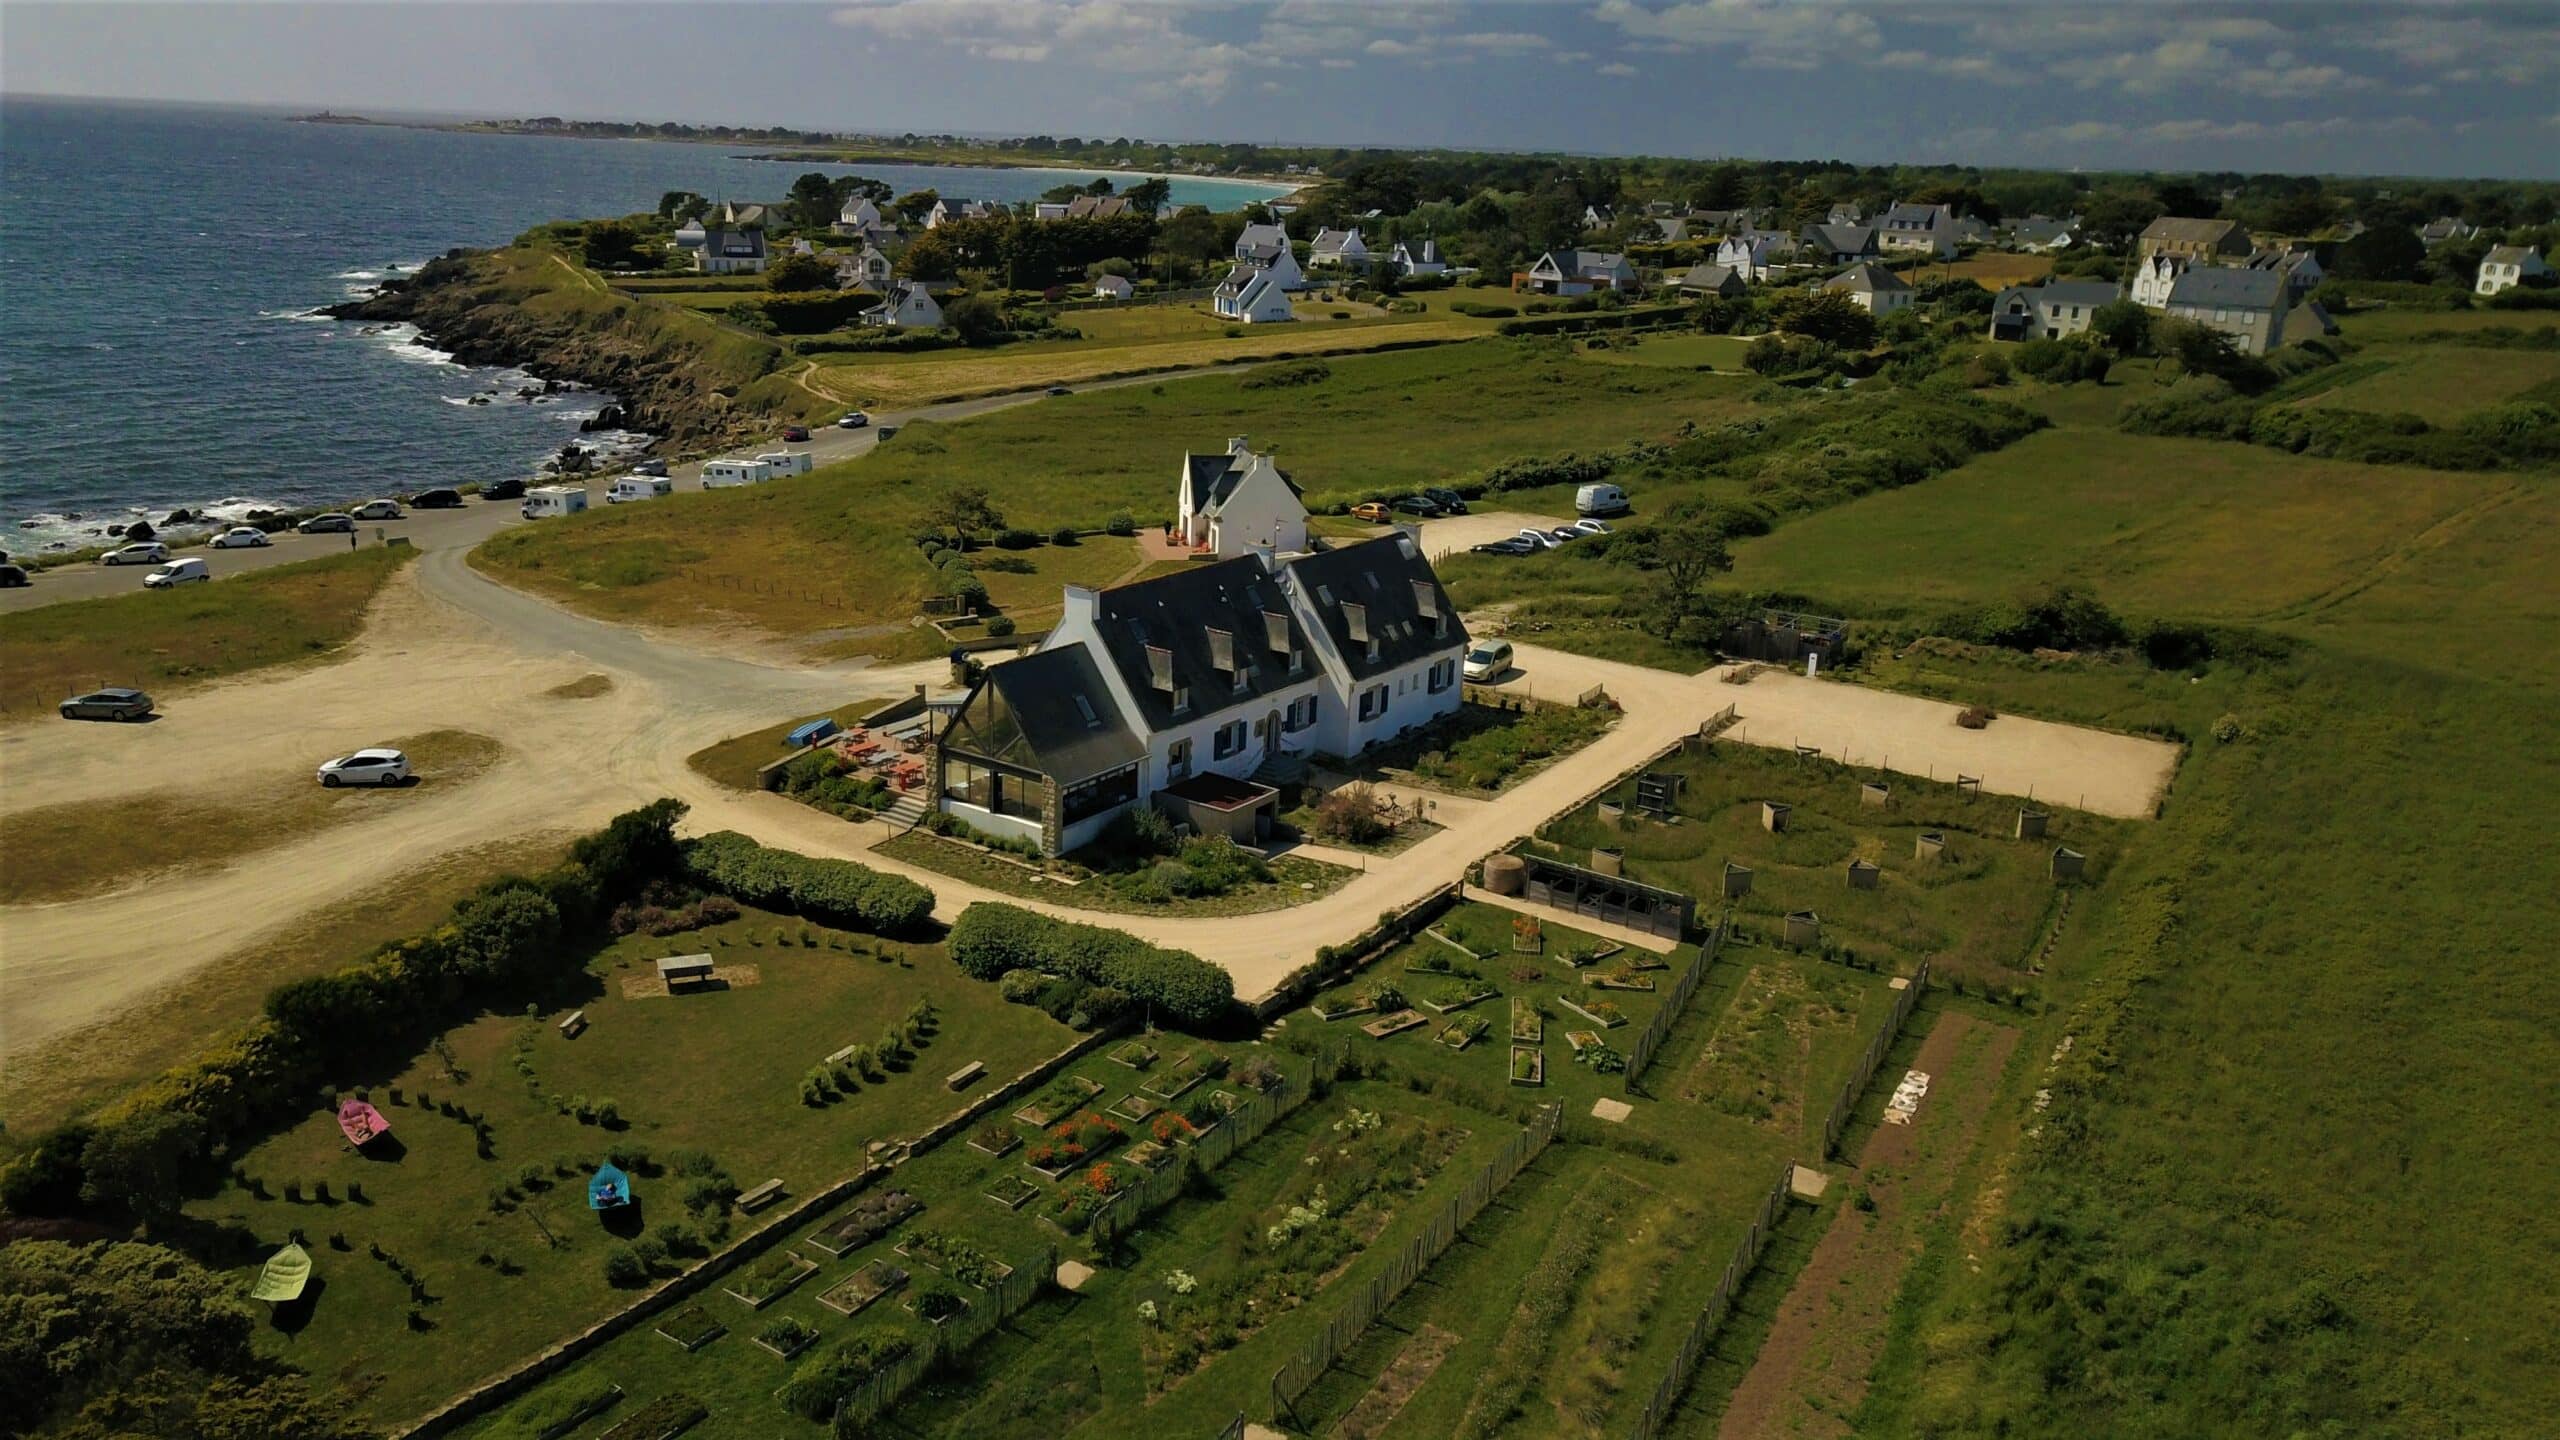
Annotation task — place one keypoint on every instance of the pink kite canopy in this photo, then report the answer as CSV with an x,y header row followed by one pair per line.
x,y
361,1122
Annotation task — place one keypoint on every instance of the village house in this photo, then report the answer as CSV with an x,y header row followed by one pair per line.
x,y
1876,290
1266,247
1911,229
1199,692
2299,267
1338,250
1113,287
1713,279
2437,231
863,269
1837,244
1598,217
2204,242
2153,279
1251,296
1579,272
1753,254
861,219
2050,311
1847,212
1049,210
946,210
1096,207
2249,306
906,306
1227,504
1420,259
726,240
2507,266
2040,235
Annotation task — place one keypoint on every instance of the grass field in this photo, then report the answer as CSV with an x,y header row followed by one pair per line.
x,y
2443,383
62,852
2188,529
1294,881
716,1073
827,553
1990,269
1676,351
163,640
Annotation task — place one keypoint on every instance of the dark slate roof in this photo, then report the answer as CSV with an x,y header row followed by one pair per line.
x,y
1042,690
1841,239
1176,612
2074,292
1215,477
1378,575
2230,287
1866,275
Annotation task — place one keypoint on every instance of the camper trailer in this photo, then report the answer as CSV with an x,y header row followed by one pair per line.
x,y
638,487
1602,498
723,474
788,462
547,500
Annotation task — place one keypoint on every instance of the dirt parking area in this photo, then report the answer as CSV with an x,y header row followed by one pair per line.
x,y
1459,533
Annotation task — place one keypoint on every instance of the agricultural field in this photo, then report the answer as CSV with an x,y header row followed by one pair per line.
x,y
2443,383
1676,351
1991,269
464,1243
159,642
826,556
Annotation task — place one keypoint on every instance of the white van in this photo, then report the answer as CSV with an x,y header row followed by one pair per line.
x,y
1601,498
725,474
789,462
176,572
638,487
547,500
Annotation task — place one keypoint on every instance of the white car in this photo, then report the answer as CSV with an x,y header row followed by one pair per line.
x,y
1539,538
377,510
1592,527
1487,658
241,537
150,552
366,767
176,573
854,421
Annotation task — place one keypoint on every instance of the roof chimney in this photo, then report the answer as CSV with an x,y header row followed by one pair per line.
x,y
1236,445
1081,604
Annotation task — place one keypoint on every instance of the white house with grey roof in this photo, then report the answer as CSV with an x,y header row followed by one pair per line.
x,y
1252,296
1420,258
1198,693
906,306
728,240
1877,291
1912,229
1266,247
2507,266
2050,311
1338,250
2247,305
1225,505
1579,272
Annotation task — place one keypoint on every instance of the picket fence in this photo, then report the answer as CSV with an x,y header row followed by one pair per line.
x,y
987,1310
1317,1356
1658,1029
1711,1318
1856,1085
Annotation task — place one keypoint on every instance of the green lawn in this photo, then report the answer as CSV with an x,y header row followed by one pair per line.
x,y
2443,383
715,1073
157,640
1294,881
827,553
1677,352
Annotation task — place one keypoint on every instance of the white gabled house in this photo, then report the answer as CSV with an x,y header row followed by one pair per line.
x,y
1579,272
1266,247
907,305
2153,279
1252,297
1918,229
1228,504
1752,254
727,240
1877,291
1113,287
2507,266
864,269
1422,259
946,210
1338,250
1199,692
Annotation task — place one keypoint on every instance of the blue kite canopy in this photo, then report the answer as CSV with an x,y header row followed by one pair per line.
x,y
610,1188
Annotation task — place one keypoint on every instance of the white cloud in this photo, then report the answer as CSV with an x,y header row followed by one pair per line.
x,y
1395,49
1117,35
1618,67
1501,42
1336,62
1570,57
1784,34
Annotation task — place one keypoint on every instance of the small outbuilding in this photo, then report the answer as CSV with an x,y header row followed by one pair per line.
x,y
1863,874
1773,816
1932,845
1804,929
2031,823
1737,880
2067,863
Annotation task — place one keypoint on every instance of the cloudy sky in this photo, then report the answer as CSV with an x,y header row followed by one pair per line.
x,y
2439,87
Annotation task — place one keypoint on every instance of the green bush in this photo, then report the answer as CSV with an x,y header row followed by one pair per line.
x,y
832,892
1481,310
990,939
1000,626
1289,376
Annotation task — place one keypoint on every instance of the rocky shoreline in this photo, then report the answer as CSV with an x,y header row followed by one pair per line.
x,y
462,308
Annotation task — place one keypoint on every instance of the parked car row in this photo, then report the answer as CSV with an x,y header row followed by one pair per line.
x,y
372,766
1428,503
1533,540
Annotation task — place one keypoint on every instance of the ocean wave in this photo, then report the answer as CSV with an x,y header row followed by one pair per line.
x,y
304,316
360,274
403,341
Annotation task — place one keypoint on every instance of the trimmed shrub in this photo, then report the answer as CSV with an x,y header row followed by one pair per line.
x,y
990,939
831,892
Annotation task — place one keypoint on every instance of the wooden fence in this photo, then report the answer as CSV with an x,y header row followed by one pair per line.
x,y
1242,1126
1007,1297
1391,930
1317,1356
1856,1085
1711,1318
1657,1030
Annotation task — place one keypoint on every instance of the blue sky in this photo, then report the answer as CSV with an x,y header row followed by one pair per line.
x,y
2447,88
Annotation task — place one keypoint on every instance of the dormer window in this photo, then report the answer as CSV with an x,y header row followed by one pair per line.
x,y
1222,651
1355,620
1160,668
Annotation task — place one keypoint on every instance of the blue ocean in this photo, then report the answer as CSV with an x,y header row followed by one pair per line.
x,y
158,267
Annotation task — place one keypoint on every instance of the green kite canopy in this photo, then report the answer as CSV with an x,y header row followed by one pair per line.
x,y
282,1278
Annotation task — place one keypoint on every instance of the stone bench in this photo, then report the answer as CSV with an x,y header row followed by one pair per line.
x,y
761,1196
572,1023
966,1076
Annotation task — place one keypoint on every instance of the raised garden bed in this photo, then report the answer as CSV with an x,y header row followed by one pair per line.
x,y
1458,995
1184,1073
1581,1040
1224,1102
1598,1012
1528,1065
692,1327
1133,1053
1464,1031
664,1418
1077,1140
1580,956
870,1218
1064,1096
937,1305
995,1140
1432,962
955,1257
1259,1073
1527,1025
771,1278
1011,1191
1341,1007
554,1414
1396,1024
1456,944
850,1295
785,1336
1134,1108
1149,1155
1622,978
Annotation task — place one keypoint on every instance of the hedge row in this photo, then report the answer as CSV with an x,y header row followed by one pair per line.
x,y
1570,324
831,892
991,938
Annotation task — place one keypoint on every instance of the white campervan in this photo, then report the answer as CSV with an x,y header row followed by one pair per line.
x,y
1601,498
789,462
543,501
724,474
639,487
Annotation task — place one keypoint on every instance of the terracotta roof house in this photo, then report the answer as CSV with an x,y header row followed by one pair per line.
x,y
2206,241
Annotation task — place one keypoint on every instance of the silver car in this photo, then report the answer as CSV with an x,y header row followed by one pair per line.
x,y
149,552
241,537
112,704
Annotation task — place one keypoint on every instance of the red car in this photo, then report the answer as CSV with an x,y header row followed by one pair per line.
x,y
795,432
